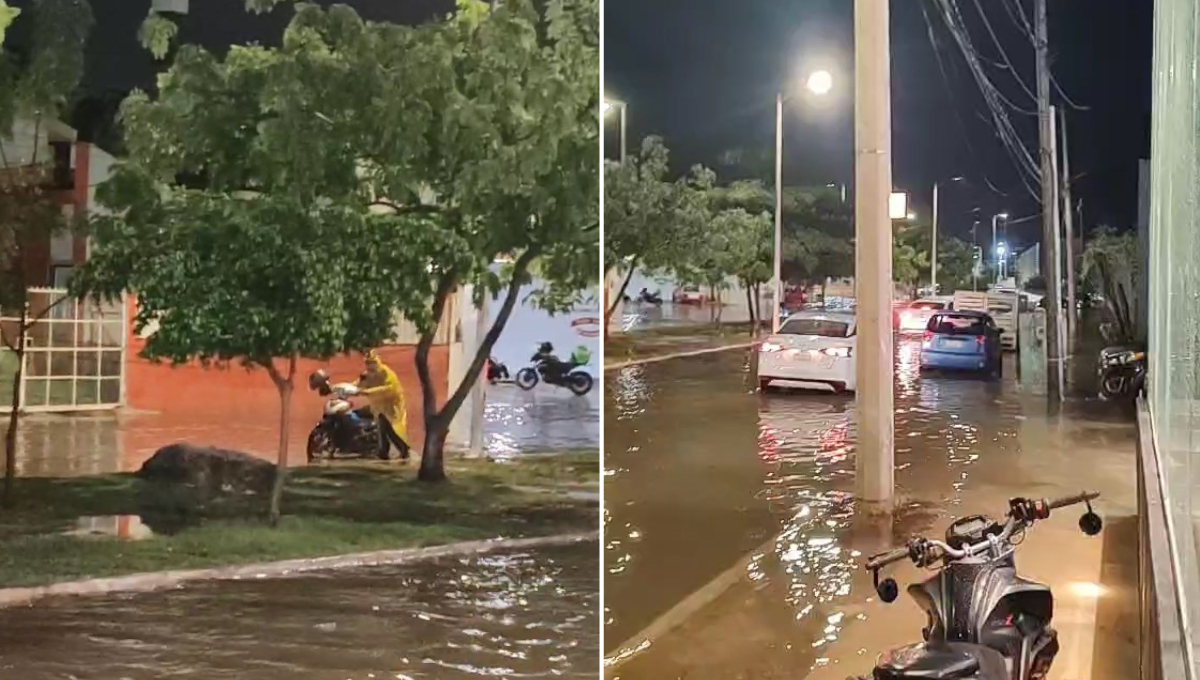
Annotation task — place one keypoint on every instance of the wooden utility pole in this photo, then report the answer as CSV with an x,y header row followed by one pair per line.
x,y
1050,254
1069,226
875,463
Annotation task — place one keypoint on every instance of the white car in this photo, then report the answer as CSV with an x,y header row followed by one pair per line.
x,y
688,295
812,348
915,317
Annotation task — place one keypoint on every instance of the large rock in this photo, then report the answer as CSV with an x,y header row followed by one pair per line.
x,y
209,470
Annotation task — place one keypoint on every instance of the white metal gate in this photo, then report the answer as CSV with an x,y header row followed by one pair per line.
x,y
75,356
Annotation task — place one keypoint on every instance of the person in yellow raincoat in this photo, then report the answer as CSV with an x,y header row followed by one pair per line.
x,y
382,388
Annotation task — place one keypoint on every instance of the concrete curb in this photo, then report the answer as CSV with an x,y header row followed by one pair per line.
x,y
678,355
146,582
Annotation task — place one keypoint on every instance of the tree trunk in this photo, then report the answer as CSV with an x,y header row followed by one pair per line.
x,y
750,306
10,437
758,307
433,468
284,386
618,298
437,421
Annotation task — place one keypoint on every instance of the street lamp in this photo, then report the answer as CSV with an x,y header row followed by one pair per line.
x,y
818,83
933,239
1001,270
996,218
606,107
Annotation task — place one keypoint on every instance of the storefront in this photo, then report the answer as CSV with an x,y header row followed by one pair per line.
x,y
1169,480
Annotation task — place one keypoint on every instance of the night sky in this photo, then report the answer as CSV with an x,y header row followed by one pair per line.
x,y
703,74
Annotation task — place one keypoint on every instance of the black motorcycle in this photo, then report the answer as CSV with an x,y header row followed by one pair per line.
x,y
985,622
556,372
344,431
1121,372
647,298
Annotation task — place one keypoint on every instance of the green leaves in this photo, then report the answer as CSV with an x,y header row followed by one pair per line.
x,y
7,16
156,34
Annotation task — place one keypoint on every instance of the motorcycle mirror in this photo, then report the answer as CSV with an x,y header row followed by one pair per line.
x,y
888,590
1090,523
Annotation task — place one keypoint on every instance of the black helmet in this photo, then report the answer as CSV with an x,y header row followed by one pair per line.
x,y
546,347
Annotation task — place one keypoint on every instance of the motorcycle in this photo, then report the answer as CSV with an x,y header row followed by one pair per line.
x,y
648,298
1121,372
344,430
496,371
555,372
985,622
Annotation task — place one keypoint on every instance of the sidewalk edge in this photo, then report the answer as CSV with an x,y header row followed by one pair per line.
x,y
150,581
678,355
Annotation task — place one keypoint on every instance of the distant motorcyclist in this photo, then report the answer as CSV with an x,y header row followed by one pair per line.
x,y
554,367
382,388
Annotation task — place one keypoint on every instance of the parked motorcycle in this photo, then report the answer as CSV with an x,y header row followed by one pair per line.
x,y
985,622
344,431
555,371
496,371
1121,372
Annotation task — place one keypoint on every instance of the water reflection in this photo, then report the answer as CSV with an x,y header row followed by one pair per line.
x,y
685,453
530,615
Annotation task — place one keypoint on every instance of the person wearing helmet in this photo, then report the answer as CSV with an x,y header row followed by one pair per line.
x,y
382,388
554,368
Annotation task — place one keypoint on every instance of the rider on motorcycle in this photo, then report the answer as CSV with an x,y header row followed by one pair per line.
x,y
382,388
555,368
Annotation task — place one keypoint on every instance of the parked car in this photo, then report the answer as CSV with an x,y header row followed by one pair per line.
x,y
915,317
813,348
962,341
688,295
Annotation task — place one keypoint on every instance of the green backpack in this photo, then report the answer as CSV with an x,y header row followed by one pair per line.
x,y
581,356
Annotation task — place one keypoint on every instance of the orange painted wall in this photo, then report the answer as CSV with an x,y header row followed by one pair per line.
x,y
235,408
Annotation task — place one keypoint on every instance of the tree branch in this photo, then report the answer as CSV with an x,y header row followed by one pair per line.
x,y
407,209
520,267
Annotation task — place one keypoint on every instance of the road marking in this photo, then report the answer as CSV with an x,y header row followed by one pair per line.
x,y
677,355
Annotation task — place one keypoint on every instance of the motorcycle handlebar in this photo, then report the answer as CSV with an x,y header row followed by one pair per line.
x,y
1081,497
1015,522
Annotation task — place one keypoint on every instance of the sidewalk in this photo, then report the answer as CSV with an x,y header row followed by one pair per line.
x,y
660,342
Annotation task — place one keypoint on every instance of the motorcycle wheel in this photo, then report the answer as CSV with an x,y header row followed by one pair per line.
x,y
1113,386
527,378
320,445
579,383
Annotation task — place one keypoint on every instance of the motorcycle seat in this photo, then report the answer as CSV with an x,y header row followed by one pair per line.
x,y
940,661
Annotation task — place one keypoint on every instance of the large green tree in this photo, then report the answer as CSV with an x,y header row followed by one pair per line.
x,y
1111,263
240,223
650,221
34,88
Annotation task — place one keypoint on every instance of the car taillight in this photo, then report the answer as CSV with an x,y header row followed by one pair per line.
x,y
980,340
928,337
836,351
770,347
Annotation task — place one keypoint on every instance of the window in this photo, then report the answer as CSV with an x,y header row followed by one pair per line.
x,y
949,324
926,304
825,328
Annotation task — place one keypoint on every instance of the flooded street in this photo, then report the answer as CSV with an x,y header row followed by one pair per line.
x,y
544,419
530,615
732,549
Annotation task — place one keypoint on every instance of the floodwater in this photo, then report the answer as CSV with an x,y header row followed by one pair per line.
x,y
732,545
640,316
542,420
502,615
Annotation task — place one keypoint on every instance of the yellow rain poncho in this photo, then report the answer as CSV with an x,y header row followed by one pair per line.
x,y
382,388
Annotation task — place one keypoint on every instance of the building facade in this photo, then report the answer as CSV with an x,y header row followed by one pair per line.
x,y
1169,422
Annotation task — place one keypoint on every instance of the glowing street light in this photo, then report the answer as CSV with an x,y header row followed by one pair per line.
x,y
820,82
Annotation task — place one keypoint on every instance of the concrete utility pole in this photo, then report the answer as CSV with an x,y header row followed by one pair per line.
x,y
933,244
1050,254
875,464
777,300
1069,226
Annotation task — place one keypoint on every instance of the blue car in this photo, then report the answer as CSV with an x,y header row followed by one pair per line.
x,y
962,341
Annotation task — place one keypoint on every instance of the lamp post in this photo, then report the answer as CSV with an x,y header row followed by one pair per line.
x,y
933,239
996,218
819,83
607,106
